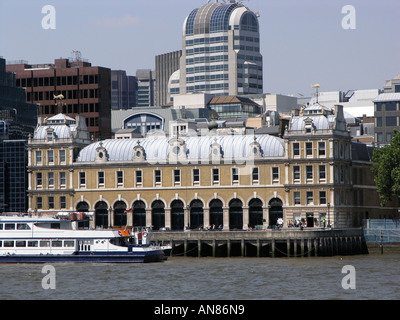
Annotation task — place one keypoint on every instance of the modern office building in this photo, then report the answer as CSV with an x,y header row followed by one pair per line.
x,y
123,90
221,51
313,173
145,88
20,116
86,90
387,111
13,175
166,65
18,119
387,116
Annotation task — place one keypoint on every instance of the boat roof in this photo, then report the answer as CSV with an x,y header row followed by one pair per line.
x,y
29,219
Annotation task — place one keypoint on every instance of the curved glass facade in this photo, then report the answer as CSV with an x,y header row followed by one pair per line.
x,y
220,18
249,23
221,53
190,22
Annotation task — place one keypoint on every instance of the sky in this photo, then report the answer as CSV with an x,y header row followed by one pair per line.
x,y
303,42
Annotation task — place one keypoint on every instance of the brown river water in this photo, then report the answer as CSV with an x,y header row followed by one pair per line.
x,y
376,276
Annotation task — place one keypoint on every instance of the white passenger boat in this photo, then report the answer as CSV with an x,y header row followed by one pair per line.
x,y
49,239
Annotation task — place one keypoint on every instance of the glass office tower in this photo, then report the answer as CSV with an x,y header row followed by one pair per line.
x,y
13,176
221,51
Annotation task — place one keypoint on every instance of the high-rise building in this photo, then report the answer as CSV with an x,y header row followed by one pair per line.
x,y
18,116
166,65
18,119
123,90
86,90
145,88
221,51
13,175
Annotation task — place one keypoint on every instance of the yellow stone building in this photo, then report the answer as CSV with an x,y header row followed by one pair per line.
x,y
314,175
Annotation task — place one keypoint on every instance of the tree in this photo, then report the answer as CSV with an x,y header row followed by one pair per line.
x,y
386,169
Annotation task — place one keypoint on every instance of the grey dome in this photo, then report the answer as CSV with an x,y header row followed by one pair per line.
x,y
198,148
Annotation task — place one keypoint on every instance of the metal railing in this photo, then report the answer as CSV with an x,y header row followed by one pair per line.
x,y
382,230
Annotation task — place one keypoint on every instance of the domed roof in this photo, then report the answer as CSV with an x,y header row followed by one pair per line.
x,y
62,126
321,117
198,148
211,17
60,131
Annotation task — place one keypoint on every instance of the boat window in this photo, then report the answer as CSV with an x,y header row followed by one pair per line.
x,y
8,243
119,242
33,243
23,226
45,243
55,225
1,226
20,244
1,243
69,243
56,243
9,226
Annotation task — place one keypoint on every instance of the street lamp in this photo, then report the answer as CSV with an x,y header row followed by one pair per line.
x,y
329,220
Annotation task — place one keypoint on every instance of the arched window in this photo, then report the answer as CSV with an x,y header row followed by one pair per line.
x,y
120,217
82,207
101,214
255,213
145,122
158,215
177,215
139,214
275,211
196,214
216,213
235,214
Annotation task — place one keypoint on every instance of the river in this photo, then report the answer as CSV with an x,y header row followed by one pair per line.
x,y
376,276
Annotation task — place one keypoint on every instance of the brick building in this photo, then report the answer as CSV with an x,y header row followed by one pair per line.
x,y
86,91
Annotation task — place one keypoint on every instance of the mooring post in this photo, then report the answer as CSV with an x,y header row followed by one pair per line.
x,y
302,247
309,247
316,247
173,247
199,248
228,247
295,247
214,244
258,247
273,248
288,247
242,248
184,247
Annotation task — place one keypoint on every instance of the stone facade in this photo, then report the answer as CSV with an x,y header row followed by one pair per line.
x,y
315,174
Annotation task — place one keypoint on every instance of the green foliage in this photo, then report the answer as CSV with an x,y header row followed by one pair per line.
x,y
386,169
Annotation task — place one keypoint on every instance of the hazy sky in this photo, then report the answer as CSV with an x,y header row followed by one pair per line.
x,y
302,41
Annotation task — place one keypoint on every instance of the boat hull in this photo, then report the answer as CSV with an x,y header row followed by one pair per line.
x,y
98,257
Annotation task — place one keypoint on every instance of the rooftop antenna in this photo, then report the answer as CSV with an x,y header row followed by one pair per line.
x,y
77,54
316,86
